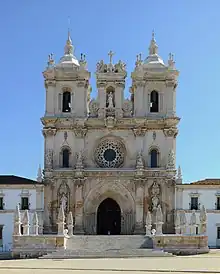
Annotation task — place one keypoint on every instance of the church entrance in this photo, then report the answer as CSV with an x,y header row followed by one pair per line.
x,y
109,218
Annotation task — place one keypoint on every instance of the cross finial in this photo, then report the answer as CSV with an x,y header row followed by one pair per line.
x,y
110,54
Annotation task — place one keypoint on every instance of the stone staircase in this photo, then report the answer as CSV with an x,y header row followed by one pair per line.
x,y
107,246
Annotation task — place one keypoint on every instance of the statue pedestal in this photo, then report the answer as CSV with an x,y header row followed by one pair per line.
x,y
148,230
159,226
60,230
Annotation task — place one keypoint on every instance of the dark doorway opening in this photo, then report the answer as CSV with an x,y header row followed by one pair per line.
x,y
109,218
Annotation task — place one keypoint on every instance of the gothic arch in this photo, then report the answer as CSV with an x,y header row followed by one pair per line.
x,y
120,195
63,154
150,151
112,190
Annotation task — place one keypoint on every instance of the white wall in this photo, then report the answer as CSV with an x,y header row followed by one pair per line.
x,y
11,199
207,196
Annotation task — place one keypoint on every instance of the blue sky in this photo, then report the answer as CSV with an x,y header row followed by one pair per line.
x,y
30,30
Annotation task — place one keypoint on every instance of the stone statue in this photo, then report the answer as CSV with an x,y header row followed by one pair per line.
x,y
177,223
159,215
155,202
193,218
183,222
110,100
49,158
171,160
203,215
155,189
79,160
148,224
139,163
63,201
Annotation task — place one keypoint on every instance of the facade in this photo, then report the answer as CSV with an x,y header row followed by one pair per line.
x,y
15,190
192,196
109,160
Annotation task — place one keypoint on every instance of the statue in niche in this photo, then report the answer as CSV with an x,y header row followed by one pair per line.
x,y
110,100
63,201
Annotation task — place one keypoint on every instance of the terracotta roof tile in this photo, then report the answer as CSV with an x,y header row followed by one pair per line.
x,y
207,182
16,180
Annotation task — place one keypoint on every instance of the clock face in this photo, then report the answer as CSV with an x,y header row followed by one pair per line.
x,y
110,154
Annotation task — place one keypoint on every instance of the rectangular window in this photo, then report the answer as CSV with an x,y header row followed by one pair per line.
x,y
194,203
24,203
218,232
218,203
1,234
1,203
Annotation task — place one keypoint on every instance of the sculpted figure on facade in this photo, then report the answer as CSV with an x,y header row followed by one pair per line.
x,y
49,158
79,159
139,161
171,160
110,97
63,201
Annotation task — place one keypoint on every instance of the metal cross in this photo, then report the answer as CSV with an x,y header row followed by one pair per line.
x,y
110,54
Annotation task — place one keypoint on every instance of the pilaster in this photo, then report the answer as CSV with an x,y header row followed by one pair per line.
x,y
78,229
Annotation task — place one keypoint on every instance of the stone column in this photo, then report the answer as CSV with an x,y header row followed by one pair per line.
x,y
78,228
70,224
139,202
102,99
119,99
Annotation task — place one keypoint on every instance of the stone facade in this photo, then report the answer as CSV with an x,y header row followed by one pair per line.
x,y
110,147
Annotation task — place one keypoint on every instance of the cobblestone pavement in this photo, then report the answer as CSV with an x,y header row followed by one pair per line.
x,y
209,263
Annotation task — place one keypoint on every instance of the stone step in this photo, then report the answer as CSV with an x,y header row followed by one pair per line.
x,y
122,253
105,242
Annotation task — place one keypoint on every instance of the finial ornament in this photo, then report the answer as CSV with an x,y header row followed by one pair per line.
x,y
39,174
179,173
171,62
68,50
50,61
110,54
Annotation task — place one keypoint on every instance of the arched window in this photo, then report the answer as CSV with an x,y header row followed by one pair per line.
x,y
154,158
66,101
154,101
66,157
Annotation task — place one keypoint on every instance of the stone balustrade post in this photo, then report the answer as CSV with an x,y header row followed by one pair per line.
x,y
35,224
70,224
26,223
61,221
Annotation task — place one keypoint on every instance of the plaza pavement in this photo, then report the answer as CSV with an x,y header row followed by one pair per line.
x,y
207,263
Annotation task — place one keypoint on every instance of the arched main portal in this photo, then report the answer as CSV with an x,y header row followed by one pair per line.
x,y
109,218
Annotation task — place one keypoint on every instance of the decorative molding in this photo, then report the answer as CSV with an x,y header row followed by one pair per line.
x,y
110,122
48,132
171,132
139,132
101,85
80,132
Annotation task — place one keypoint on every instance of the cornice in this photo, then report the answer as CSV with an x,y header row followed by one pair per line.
x,y
96,173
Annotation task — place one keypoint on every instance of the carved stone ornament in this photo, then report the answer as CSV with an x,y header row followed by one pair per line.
x,y
110,122
49,158
80,132
81,84
120,67
171,160
127,108
139,161
171,132
79,160
139,132
49,132
93,108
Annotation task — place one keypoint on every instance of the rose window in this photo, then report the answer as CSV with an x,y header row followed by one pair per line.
x,y
110,153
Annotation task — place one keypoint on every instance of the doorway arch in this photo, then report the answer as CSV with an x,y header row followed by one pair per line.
x,y
108,218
